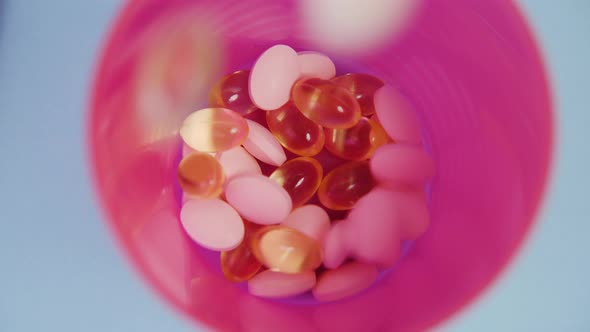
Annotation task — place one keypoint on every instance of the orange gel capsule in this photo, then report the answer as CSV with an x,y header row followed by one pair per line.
x,y
300,177
294,131
284,249
345,185
379,136
214,129
326,103
363,87
356,143
232,92
201,175
240,264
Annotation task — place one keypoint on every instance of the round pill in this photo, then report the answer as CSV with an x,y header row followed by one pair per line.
x,y
396,116
258,199
317,65
347,280
200,175
273,284
212,223
272,77
263,145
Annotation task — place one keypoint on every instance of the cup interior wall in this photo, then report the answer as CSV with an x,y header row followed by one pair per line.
x,y
470,69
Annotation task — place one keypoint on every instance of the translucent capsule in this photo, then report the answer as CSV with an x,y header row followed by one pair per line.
x,y
352,143
240,264
294,131
214,129
300,177
283,249
363,87
379,136
358,142
232,92
200,175
326,103
344,185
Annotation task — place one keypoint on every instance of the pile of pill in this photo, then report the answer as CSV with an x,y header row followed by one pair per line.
x,y
303,181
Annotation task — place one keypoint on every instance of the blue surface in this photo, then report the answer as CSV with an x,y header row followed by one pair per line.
x,y
60,270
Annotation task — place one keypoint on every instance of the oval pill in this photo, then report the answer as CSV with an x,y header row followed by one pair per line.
x,y
214,129
261,144
272,77
258,199
301,178
284,249
326,103
212,223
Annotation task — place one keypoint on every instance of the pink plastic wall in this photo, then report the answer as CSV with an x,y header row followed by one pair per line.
x,y
471,70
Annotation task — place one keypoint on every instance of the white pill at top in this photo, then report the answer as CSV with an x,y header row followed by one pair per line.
x,y
272,77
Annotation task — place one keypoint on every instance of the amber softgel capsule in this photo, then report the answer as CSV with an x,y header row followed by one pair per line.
x,y
284,249
326,103
301,178
345,185
200,175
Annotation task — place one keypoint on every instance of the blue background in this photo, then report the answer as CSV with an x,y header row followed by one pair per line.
x,y
61,271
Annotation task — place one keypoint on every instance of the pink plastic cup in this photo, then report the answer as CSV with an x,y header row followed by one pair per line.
x,y
471,70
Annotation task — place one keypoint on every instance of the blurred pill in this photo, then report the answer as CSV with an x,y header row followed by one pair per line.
x,y
356,26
